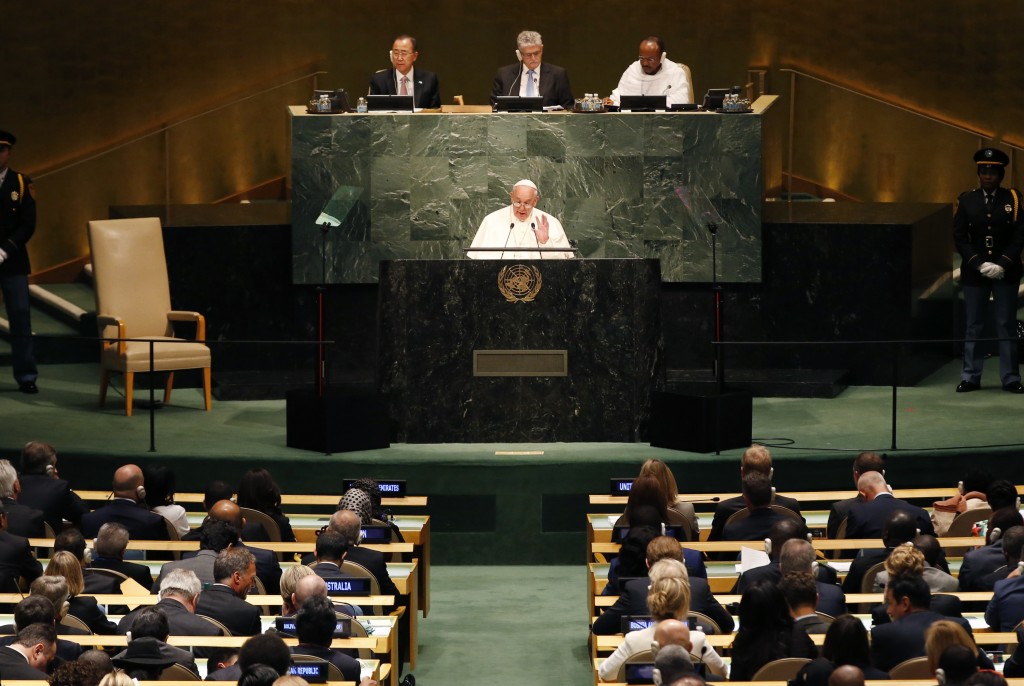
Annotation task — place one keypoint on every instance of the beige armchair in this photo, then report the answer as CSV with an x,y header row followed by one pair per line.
x,y
133,300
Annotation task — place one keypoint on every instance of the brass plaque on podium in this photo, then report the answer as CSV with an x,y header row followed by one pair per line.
x,y
520,363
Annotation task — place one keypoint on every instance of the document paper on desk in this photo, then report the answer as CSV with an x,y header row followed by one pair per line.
x,y
751,558
133,587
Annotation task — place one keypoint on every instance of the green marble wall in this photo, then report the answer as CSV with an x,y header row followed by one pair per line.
x,y
623,185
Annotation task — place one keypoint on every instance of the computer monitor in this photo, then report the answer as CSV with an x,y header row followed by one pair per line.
x,y
714,97
389,103
642,103
518,103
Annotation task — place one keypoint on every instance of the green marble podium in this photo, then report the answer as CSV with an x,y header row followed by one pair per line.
x,y
624,185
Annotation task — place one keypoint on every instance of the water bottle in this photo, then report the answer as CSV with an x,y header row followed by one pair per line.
x,y
324,105
361,107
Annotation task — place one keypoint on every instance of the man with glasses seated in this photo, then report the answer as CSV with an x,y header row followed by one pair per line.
x,y
404,79
652,74
531,76
517,231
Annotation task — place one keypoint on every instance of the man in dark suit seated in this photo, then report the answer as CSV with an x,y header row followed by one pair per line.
x,y
900,527
268,569
867,519
982,567
21,520
757,494
215,492
405,79
840,510
315,624
16,559
531,76
268,649
781,533
43,489
179,594
71,541
347,523
798,588
28,655
758,459
1006,608
908,601
797,555
633,599
37,609
127,509
217,537
111,542
234,570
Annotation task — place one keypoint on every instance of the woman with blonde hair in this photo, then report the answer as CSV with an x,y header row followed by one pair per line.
x,y
945,633
667,598
66,565
117,678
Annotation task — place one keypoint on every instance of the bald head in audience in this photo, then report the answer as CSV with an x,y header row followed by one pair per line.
x,y
228,511
308,587
672,663
847,675
346,523
672,632
127,480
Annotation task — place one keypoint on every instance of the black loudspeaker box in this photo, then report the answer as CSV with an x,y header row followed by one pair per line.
x,y
690,422
341,421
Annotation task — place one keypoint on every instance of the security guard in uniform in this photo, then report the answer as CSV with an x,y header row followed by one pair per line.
x,y
988,229
17,224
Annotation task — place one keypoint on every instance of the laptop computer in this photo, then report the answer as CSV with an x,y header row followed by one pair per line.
x,y
389,103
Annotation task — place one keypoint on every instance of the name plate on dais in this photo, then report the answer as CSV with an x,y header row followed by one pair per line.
x,y
520,363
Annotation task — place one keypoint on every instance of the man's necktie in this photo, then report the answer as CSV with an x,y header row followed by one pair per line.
x,y
529,84
405,86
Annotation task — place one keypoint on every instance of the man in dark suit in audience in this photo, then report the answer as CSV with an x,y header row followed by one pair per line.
x,y
217,537
268,569
38,609
867,519
314,624
179,594
840,510
111,542
757,494
757,459
268,649
798,588
28,656
797,556
215,492
633,599
347,523
148,641
71,541
21,520
908,601
982,567
1006,609
405,79
16,559
781,533
128,509
43,489
225,600
900,527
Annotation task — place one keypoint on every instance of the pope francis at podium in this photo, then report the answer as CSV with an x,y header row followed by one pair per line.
x,y
512,231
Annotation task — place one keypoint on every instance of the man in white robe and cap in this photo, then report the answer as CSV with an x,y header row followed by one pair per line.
x,y
653,74
519,229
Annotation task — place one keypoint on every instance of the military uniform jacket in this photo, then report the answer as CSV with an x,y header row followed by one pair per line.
x,y
17,222
983,235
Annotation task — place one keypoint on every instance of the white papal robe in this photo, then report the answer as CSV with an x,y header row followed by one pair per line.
x,y
501,229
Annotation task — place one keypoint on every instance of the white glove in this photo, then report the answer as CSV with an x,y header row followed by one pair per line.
x,y
3,257
990,269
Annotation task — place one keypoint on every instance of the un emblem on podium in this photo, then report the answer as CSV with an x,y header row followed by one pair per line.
x,y
519,282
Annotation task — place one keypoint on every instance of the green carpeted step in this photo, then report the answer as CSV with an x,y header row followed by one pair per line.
x,y
80,294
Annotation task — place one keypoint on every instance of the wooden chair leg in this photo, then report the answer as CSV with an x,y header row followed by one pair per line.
x,y
129,382
167,389
104,382
206,387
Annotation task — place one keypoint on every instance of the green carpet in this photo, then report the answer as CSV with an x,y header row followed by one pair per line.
x,y
506,625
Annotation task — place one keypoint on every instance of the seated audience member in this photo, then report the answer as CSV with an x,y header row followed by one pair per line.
x,y
84,607
377,512
766,633
331,551
216,538
867,519
908,602
900,527
946,634
118,677
108,553
160,486
907,558
1006,608
1002,493
16,559
862,464
646,492
214,492
76,673
983,566
846,645
757,459
127,508
258,674
757,494
54,589
220,658
403,78
267,649
99,658
631,560
667,598
970,495
234,571
38,609
179,594
290,602
147,645
673,663
268,569
71,541
956,665
1014,666
633,597
653,74
346,523
315,623
258,491
676,507
801,597
43,489
847,675
27,657
21,520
